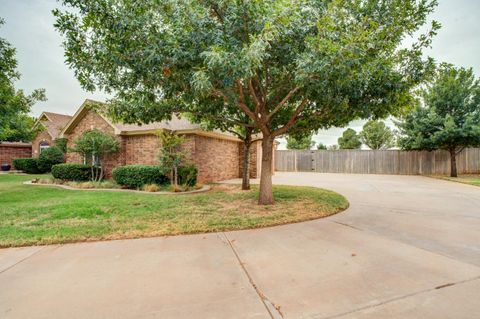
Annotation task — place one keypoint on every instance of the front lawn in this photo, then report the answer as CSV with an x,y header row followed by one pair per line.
x,y
465,179
31,215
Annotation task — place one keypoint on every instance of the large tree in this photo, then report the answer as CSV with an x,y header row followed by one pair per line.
x,y
449,118
15,123
377,136
289,66
349,140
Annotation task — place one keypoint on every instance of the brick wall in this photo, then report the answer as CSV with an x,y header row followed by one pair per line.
x,y
141,149
216,159
10,151
94,121
41,137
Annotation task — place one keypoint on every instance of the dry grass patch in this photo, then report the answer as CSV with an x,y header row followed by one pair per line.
x,y
37,215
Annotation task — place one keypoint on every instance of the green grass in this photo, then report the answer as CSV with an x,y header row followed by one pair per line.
x,y
465,179
31,215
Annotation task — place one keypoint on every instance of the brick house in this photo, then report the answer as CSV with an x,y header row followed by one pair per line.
x,y
217,155
51,124
12,150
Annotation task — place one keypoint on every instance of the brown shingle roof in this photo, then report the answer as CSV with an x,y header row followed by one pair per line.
x,y
175,124
55,123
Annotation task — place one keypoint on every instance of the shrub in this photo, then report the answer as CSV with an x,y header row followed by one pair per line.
x,y
151,188
49,157
187,175
61,143
18,163
28,165
135,176
73,172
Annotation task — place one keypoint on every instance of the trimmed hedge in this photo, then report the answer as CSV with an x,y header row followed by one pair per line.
x,y
73,172
187,175
49,157
28,165
135,176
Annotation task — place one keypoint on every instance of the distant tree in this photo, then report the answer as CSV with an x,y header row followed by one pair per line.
x,y
94,146
377,136
300,142
349,140
333,147
450,117
321,146
15,123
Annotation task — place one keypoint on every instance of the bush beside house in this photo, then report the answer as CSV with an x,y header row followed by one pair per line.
x,y
73,172
136,176
27,165
49,157
42,164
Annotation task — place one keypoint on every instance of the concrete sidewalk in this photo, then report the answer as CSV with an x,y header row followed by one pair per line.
x,y
408,247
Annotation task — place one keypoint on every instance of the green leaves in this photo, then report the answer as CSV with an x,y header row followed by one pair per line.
x,y
377,136
349,140
15,123
451,116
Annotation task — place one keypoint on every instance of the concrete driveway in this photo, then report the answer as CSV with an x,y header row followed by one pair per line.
x,y
408,247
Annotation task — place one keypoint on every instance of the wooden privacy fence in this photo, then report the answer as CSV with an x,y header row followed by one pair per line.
x,y
377,162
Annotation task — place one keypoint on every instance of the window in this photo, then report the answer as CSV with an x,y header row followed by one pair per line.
x,y
43,146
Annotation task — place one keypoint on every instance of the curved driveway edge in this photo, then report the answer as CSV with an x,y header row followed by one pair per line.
x,y
406,248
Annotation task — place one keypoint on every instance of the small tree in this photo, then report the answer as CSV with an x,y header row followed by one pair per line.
x,y
321,146
377,136
450,119
96,145
300,142
171,157
349,140
333,147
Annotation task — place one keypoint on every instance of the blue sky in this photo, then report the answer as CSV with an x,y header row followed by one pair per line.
x,y
29,27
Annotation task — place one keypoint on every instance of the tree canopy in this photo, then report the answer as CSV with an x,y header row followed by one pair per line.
x,y
321,146
300,142
450,117
377,136
289,66
15,123
349,140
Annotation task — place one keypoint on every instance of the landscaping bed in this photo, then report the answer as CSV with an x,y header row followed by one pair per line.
x,y
50,215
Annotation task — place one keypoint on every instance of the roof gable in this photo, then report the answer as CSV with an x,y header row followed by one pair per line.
x,y
53,122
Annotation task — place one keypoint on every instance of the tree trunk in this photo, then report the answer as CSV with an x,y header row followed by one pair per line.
x,y
247,143
175,175
266,191
453,163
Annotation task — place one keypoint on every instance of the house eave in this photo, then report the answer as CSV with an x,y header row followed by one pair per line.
x,y
185,132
